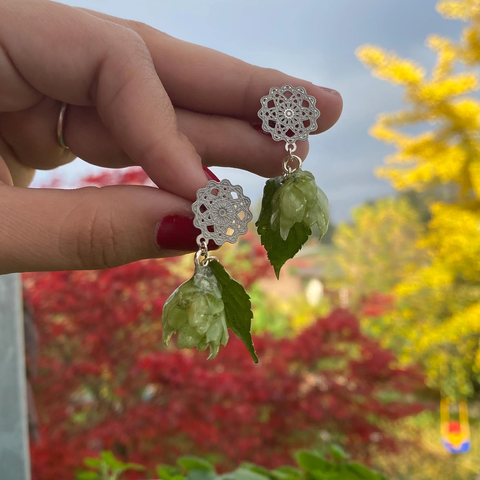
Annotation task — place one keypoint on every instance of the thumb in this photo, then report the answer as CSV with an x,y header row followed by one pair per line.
x,y
91,228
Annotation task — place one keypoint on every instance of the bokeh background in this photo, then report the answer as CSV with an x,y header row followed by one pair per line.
x,y
370,339
315,40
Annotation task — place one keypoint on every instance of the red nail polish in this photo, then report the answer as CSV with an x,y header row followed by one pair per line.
x,y
176,232
210,175
258,128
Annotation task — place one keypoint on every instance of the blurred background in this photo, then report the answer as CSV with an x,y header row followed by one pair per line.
x,y
315,40
366,335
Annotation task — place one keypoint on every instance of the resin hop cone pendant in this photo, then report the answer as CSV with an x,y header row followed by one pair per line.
x,y
196,312
202,309
293,206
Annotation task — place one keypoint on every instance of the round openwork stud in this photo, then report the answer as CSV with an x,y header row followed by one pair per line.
x,y
288,113
221,212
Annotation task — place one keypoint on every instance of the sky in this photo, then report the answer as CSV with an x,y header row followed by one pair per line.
x,y
311,39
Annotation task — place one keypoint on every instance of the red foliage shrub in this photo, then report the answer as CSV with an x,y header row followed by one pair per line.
x,y
106,381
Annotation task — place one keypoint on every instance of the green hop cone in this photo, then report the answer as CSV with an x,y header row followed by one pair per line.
x,y
299,200
196,311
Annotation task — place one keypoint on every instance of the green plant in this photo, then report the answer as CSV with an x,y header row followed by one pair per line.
x,y
107,467
333,465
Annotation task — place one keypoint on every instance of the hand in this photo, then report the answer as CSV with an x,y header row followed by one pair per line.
x,y
136,97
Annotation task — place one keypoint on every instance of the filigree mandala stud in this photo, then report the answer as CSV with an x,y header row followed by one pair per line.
x,y
288,114
222,212
202,309
293,206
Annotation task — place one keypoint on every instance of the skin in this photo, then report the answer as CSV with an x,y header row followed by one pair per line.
x,y
136,97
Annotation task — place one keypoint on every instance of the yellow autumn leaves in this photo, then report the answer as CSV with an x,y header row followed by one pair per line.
x,y
437,315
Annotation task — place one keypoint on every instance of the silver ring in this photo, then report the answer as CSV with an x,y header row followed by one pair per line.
x,y
61,118
287,169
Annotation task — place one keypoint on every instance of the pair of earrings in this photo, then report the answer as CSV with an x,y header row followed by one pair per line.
x,y
293,207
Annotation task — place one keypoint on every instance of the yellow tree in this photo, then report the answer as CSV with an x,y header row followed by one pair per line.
x,y
372,251
437,316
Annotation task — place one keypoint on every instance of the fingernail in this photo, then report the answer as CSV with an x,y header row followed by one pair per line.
x,y
258,128
177,232
330,90
210,175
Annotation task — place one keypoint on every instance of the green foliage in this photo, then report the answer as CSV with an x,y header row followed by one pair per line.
x,y
318,467
311,461
244,473
338,453
107,467
313,466
238,309
167,472
195,463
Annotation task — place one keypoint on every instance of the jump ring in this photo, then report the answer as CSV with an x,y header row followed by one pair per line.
x,y
287,169
290,147
61,118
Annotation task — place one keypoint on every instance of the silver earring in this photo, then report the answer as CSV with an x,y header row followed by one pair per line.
x,y
293,206
203,308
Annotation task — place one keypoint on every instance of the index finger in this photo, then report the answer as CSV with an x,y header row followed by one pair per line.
x,y
207,81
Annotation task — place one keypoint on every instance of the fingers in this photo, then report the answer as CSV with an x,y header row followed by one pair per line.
x,y
229,142
204,80
103,64
219,140
12,172
32,134
87,61
5,175
90,228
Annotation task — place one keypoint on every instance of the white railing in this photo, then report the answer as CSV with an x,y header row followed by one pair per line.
x,y
14,449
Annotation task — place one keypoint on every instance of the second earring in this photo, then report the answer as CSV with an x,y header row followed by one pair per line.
x,y
202,309
293,206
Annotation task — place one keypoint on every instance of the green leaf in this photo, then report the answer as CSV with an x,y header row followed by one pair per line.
x,y
343,473
195,463
311,461
238,309
92,462
291,471
257,469
278,475
87,476
338,453
320,475
361,471
111,461
167,472
278,250
201,475
246,474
